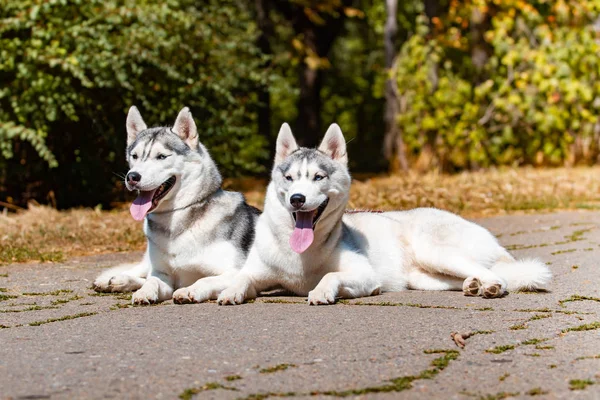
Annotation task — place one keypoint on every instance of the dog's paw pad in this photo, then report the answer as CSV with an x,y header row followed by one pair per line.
x,y
472,287
493,290
321,297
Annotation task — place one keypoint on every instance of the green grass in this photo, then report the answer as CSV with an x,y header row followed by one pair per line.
x,y
280,301
4,297
498,396
64,301
118,296
276,368
500,349
539,316
231,378
585,327
262,396
31,308
120,305
554,253
53,293
65,318
577,297
518,327
536,392
15,254
390,304
187,394
533,341
588,357
395,385
481,333
547,310
578,235
544,347
580,384
503,377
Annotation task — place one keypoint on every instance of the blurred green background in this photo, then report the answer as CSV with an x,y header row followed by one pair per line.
x,y
417,84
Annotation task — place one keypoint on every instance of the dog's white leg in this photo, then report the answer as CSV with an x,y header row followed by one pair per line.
x,y
157,288
248,282
356,279
241,289
421,280
203,289
479,280
347,284
124,278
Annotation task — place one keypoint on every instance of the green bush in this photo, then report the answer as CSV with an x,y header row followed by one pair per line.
x,y
535,100
70,69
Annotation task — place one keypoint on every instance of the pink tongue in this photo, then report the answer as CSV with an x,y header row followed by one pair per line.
x,y
141,205
303,235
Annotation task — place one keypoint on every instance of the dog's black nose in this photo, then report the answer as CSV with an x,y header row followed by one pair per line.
x,y
133,178
297,200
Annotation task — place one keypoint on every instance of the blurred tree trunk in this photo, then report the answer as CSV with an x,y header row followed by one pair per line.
x,y
427,157
480,53
265,27
394,149
317,31
480,49
308,124
317,38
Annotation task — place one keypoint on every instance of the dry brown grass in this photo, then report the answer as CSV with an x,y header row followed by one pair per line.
x,y
477,194
42,233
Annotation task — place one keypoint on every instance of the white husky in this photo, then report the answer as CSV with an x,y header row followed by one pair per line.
x,y
198,234
307,243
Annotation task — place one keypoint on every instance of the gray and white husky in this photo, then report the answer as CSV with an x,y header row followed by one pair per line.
x,y
307,243
198,235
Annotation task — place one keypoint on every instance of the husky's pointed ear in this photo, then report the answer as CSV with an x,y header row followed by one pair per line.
x,y
286,143
135,124
334,144
185,128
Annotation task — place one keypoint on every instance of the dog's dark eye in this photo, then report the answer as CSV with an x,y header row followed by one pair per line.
x,y
161,157
134,156
318,177
289,178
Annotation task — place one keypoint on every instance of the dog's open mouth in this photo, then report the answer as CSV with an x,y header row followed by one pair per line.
x,y
148,200
303,234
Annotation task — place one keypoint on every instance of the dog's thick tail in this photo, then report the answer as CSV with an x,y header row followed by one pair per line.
x,y
525,274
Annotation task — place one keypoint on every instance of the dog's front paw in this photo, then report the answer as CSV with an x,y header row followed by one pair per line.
x,y
102,285
320,297
190,295
231,297
182,296
144,297
123,284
